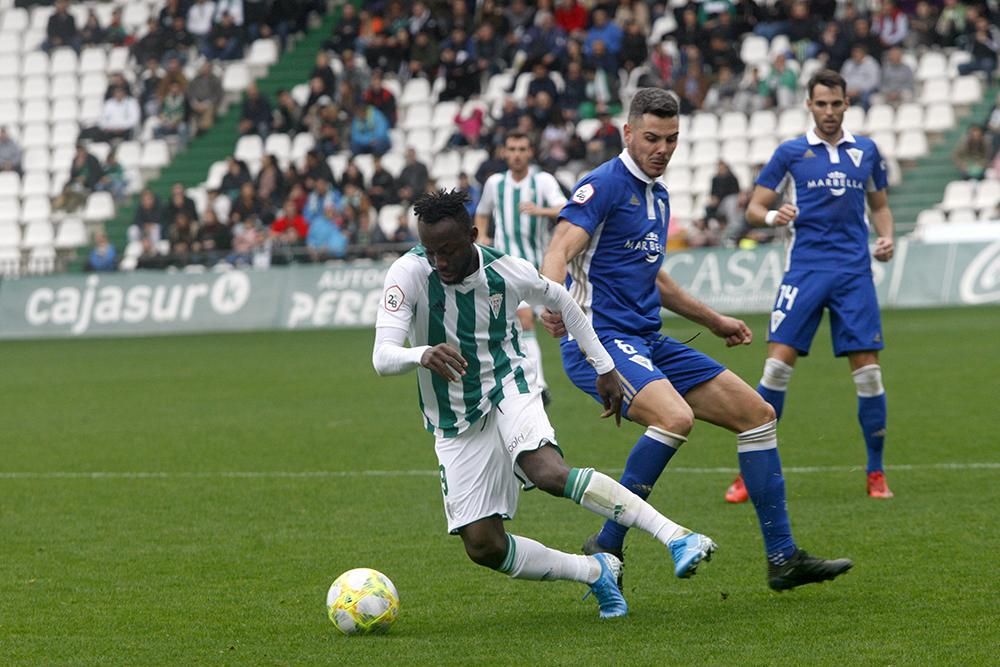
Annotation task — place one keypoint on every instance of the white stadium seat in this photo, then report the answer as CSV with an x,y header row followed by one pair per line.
x,y
417,116
35,63
10,184
10,234
71,234
236,78
763,123
100,207
249,148
63,61
909,116
704,153
733,125
35,184
886,142
912,145
966,90
14,20
93,59
960,215
939,117
704,125
935,90
933,65
881,117
958,194
37,233
36,209
155,155
42,260
987,195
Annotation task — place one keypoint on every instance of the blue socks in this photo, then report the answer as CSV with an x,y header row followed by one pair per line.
x,y
774,384
774,397
645,462
760,466
872,412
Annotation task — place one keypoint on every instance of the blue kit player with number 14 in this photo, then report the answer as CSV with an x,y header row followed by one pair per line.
x,y
830,174
608,247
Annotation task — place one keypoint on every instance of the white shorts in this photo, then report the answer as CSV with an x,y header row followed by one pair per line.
x,y
479,472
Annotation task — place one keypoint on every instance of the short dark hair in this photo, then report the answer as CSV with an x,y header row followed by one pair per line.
x,y
516,134
828,78
656,101
433,207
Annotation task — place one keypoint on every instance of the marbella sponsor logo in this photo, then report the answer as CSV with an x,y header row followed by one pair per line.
x,y
649,244
981,280
837,181
108,305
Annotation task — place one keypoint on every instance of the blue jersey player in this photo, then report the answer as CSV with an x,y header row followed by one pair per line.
x,y
608,247
831,173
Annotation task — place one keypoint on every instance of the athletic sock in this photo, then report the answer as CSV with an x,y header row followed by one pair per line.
x,y
646,461
534,354
760,466
528,559
774,384
872,412
602,495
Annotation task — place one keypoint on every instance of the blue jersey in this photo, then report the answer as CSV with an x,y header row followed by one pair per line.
x,y
626,214
829,185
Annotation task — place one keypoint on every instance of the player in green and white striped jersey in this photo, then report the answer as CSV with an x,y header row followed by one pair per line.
x,y
521,203
456,303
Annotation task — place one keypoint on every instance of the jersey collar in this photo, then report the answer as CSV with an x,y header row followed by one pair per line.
x,y
814,139
633,168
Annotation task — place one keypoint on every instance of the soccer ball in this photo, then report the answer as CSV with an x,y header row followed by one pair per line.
x,y
362,601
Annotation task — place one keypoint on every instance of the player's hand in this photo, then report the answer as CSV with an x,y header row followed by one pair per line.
x,y
733,331
444,360
529,208
883,249
553,323
610,391
786,214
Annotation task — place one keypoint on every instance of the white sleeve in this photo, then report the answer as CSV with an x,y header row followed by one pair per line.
x,y
392,322
552,194
485,205
538,290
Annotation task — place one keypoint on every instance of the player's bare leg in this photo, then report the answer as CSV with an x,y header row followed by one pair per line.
x,y
872,415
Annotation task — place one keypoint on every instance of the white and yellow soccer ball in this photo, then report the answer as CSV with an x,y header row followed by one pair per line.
x,y
362,601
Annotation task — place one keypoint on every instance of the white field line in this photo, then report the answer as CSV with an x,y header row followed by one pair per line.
x,y
322,474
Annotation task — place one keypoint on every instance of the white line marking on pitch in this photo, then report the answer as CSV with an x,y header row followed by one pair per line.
x,y
306,474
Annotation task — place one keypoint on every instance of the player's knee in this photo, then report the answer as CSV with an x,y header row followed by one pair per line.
x,y
545,469
486,549
764,413
678,421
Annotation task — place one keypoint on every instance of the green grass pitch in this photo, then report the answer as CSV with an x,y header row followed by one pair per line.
x,y
243,473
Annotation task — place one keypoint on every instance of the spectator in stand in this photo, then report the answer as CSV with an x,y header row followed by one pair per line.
x,y
544,113
604,30
351,176
862,74
150,45
147,221
722,53
287,116
290,228
891,24
802,31
574,92
461,70
179,202
984,46
692,86
325,240
721,95
541,82
315,170
235,177
116,34
782,84
84,173
607,140
199,22
922,33
973,154
898,84
542,43
370,132
182,235
354,71
255,115
474,192
323,195
834,48
329,141
231,8
148,86
571,16
346,30
510,116
102,256
120,116
248,206
424,56
10,152
688,32
171,9
225,41
174,114
379,97
413,178
602,74
113,178
862,35
469,123
324,72
355,210
270,183
951,23
177,39
722,209
383,186
489,49
494,164
204,95
635,11
61,29
635,50
91,32
213,237
248,237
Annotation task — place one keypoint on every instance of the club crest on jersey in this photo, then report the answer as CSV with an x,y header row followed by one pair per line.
x,y
583,193
496,301
777,317
393,299
855,154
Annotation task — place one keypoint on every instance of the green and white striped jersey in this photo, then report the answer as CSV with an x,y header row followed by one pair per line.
x,y
476,316
516,233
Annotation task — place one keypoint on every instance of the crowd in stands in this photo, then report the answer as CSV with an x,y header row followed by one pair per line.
x,y
579,58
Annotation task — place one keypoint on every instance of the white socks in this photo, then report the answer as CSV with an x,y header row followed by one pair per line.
x,y
868,381
528,559
603,495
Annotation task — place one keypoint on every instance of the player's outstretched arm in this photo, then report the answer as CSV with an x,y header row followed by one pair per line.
x,y
673,298
760,213
568,241
882,221
391,357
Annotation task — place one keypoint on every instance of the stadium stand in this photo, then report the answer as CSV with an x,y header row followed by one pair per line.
x,y
448,83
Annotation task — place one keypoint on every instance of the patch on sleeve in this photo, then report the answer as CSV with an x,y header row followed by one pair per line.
x,y
583,193
393,299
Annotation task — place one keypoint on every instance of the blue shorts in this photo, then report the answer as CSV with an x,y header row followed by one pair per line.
x,y
855,322
641,360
